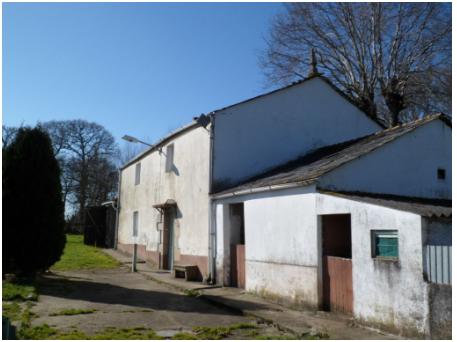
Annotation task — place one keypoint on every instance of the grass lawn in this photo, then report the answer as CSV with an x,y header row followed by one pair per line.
x,y
77,255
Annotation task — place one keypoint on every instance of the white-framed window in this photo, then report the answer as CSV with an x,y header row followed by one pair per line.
x,y
137,173
135,223
169,158
384,244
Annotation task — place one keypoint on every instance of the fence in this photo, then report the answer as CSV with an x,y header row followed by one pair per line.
x,y
438,264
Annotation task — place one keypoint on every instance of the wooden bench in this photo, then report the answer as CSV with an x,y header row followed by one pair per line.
x,y
188,272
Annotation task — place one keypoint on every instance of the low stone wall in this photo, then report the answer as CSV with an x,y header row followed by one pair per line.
x,y
440,306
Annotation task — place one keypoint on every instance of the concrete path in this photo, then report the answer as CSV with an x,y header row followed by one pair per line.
x,y
297,322
124,300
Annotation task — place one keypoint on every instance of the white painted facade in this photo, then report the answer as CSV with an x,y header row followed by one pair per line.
x,y
259,134
406,166
187,184
284,257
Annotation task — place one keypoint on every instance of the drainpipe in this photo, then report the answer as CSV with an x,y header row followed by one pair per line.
x,y
211,232
118,208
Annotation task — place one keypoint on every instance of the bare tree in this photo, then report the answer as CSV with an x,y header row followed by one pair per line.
x,y
8,134
129,151
393,59
86,152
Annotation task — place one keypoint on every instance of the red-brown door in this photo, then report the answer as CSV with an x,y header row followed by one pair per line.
x,y
337,273
337,263
238,277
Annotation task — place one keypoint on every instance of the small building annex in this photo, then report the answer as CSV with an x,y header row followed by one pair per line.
x,y
362,227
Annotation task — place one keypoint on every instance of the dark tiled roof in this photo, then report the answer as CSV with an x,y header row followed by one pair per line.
x,y
308,168
421,206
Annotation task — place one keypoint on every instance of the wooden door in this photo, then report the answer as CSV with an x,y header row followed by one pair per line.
x,y
338,294
238,277
337,263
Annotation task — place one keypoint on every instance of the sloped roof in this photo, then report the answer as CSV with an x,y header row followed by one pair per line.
x,y
197,121
308,168
420,206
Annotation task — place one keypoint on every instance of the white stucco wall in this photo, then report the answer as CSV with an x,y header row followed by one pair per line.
x,y
280,244
259,134
407,166
283,255
187,184
386,293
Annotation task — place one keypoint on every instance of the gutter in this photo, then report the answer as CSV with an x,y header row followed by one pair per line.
x,y
263,189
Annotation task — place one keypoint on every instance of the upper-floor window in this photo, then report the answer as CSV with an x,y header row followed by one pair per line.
x,y
169,158
441,173
135,223
137,173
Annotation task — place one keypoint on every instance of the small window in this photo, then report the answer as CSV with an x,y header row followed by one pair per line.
x,y
169,156
384,244
135,223
441,173
137,173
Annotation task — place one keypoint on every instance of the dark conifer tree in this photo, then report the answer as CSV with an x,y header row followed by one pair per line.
x,y
33,221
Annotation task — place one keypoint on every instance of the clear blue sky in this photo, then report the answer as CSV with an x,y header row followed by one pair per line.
x,y
139,69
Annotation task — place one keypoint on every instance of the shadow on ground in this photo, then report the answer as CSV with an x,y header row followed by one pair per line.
x,y
75,288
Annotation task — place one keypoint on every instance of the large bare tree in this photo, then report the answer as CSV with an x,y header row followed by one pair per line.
x,y
86,152
393,59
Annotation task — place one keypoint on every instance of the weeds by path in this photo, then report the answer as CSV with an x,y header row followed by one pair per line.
x,y
19,291
72,312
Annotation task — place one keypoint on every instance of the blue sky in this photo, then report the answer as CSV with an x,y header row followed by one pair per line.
x,y
140,69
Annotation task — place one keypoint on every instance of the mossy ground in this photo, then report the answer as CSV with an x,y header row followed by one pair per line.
x,y
22,290
72,312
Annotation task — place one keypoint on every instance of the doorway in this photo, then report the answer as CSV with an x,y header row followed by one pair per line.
x,y
168,239
337,263
237,245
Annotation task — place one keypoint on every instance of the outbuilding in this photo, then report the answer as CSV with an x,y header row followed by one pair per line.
x,y
361,227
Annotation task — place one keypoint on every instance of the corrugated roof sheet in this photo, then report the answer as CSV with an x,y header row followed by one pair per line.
x,y
308,168
420,206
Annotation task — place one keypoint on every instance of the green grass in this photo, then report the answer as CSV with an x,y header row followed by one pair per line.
x,y
72,312
12,311
19,291
77,255
192,293
45,332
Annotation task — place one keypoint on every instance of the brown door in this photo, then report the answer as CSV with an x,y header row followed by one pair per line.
x,y
238,266
337,263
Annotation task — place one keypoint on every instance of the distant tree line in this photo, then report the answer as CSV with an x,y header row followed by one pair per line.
x,y
87,155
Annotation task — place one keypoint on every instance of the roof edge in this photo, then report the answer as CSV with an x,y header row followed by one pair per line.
x,y
306,79
422,200
180,131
